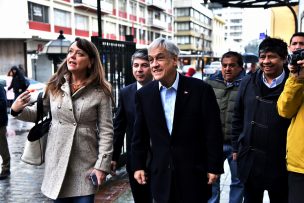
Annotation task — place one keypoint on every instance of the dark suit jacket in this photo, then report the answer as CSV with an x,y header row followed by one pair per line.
x,y
124,121
194,147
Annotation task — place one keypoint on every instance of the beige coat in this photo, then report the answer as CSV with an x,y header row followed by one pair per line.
x,y
80,138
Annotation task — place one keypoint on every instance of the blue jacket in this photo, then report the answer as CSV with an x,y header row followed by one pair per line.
x,y
3,105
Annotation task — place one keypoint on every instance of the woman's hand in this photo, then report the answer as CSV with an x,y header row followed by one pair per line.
x,y
101,176
22,101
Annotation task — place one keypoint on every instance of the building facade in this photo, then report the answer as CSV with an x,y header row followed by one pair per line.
x,y
193,27
33,23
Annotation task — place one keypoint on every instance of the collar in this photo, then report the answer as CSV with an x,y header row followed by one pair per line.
x,y
275,82
138,86
174,86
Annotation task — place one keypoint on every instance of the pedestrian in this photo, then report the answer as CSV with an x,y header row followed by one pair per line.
x,y
191,71
291,105
178,119
124,121
258,132
225,85
19,83
81,133
4,151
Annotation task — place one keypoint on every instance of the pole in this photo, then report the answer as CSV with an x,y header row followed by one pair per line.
x,y
294,17
99,19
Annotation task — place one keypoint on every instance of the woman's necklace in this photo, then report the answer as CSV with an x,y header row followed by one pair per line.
x,y
75,87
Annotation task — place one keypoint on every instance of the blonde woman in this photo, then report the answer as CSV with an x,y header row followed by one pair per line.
x,y
81,133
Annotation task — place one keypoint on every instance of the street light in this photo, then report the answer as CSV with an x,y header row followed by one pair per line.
x,y
57,50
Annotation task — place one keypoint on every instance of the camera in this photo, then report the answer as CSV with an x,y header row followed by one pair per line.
x,y
295,57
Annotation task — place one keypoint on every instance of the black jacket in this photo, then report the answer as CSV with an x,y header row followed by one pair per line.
x,y
124,121
3,107
194,147
258,132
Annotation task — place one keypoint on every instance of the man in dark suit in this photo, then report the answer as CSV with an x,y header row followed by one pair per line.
x,y
178,119
124,121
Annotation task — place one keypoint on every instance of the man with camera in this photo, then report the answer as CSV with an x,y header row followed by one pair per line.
x,y
291,105
258,132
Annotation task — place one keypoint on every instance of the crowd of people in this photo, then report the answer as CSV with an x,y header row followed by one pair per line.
x,y
179,130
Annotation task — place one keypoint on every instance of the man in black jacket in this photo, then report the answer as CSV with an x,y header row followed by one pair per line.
x,y
258,132
4,152
178,119
124,121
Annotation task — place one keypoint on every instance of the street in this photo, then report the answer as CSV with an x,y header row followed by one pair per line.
x,y
24,183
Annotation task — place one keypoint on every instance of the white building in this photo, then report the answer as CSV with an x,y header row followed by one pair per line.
x,y
28,25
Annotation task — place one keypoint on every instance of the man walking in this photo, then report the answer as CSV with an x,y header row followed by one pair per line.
x,y
124,121
258,132
178,118
4,152
225,85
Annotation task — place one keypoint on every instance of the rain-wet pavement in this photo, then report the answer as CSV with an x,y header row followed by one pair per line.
x,y
23,186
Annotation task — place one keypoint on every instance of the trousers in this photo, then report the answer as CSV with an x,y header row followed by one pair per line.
x,y
236,187
4,151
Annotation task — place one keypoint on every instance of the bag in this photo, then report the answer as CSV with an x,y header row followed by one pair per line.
x,y
33,152
34,148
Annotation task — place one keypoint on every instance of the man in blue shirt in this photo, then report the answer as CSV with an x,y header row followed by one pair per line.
x,y
178,120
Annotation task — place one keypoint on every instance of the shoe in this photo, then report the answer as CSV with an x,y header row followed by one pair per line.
x,y
4,174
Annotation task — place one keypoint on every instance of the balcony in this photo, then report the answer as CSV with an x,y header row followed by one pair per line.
x,y
158,24
156,4
91,5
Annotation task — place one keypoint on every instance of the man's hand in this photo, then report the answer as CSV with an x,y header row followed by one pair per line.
x,y
140,177
212,178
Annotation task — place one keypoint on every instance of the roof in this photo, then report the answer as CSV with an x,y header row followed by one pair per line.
x,y
253,3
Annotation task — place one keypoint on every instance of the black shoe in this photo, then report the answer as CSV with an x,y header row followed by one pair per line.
x,y
4,174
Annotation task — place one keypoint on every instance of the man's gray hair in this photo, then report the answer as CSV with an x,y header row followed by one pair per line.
x,y
166,44
139,54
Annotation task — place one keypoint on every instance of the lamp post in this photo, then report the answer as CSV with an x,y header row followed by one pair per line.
x,y
56,50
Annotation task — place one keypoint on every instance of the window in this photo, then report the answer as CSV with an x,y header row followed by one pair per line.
x,y
111,27
38,12
142,34
157,15
62,18
122,30
81,22
94,25
183,26
183,40
236,20
182,12
122,5
132,8
142,12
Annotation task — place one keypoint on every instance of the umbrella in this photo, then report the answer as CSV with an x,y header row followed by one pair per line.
x,y
250,58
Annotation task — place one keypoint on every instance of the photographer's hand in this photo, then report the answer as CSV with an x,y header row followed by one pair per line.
x,y
299,74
